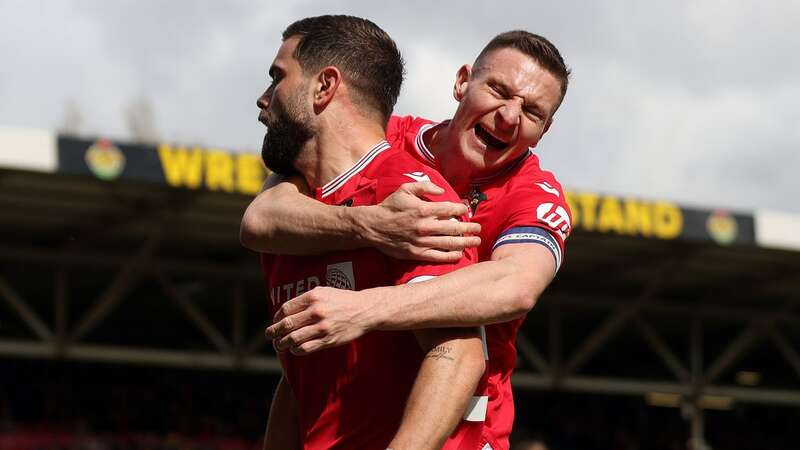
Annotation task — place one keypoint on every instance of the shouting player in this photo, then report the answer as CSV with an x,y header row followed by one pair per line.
x,y
335,81
507,100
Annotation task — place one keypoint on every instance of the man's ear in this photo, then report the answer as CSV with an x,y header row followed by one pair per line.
x,y
327,83
462,80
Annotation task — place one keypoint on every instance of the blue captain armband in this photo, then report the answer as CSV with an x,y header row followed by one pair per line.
x,y
531,235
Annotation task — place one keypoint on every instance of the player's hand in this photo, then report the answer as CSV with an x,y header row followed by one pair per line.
x,y
320,318
407,227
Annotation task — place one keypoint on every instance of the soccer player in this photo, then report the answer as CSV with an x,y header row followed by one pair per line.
x,y
335,80
507,100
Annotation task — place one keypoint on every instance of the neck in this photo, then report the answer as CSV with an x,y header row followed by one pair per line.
x,y
336,148
442,141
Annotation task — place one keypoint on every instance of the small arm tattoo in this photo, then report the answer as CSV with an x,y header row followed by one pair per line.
x,y
441,352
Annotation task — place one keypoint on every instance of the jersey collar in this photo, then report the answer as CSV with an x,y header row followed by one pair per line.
x,y
425,152
340,180
504,170
420,146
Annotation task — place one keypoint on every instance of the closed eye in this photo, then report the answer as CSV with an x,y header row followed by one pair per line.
x,y
535,112
498,90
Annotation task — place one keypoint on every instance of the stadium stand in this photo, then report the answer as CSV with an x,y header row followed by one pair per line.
x,y
130,317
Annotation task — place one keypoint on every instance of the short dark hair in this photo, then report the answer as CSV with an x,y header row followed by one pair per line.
x,y
365,54
537,47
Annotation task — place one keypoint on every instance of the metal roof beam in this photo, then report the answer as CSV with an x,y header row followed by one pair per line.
x,y
555,341
737,348
629,386
145,356
531,354
136,211
99,259
270,364
661,348
722,313
785,347
193,313
613,323
25,312
238,318
257,342
745,341
117,289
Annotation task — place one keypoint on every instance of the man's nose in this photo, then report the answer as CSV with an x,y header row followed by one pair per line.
x,y
509,114
263,101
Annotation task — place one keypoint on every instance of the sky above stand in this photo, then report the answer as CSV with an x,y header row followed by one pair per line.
x,y
691,101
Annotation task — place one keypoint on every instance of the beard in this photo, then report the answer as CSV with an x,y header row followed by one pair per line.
x,y
287,132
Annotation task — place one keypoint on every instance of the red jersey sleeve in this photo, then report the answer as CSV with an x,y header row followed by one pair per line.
x,y
403,132
536,211
397,127
405,271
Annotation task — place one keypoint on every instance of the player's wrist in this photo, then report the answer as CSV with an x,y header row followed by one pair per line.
x,y
360,222
378,316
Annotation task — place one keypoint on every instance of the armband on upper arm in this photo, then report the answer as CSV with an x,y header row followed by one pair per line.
x,y
531,235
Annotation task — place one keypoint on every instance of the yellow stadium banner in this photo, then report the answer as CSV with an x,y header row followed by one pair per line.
x,y
194,167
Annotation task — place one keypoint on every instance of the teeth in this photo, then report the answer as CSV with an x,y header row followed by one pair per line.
x,y
488,138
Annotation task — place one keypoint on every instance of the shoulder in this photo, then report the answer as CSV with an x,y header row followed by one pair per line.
x,y
398,124
397,167
529,178
531,195
396,162
401,126
531,171
535,210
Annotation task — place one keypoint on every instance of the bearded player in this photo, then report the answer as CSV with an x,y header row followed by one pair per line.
x,y
507,100
335,80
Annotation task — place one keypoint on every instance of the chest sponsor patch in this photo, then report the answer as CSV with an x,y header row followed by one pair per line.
x,y
340,276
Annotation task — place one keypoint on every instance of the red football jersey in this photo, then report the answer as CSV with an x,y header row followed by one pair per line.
x,y
353,396
520,204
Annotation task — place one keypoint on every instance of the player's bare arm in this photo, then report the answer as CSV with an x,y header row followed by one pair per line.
x,y
282,428
446,382
499,290
259,231
283,219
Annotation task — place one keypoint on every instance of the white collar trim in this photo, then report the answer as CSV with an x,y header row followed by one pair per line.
x,y
340,180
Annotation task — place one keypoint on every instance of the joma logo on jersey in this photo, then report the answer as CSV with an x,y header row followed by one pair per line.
x,y
547,187
556,217
288,291
418,176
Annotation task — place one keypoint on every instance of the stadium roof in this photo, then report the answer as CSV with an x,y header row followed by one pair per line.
x,y
122,252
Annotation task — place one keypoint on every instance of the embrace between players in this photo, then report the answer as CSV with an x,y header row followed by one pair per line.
x,y
401,255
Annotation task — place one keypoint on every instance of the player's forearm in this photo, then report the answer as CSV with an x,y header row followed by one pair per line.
x,y
282,427
444,386
484,293
282,220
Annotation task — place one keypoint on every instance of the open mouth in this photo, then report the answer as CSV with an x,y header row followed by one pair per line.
x,y
490,141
